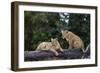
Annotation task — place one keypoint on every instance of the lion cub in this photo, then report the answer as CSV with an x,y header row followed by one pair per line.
x,y
51,46
73,40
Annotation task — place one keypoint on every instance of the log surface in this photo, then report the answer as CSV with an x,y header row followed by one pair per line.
x,y
48,55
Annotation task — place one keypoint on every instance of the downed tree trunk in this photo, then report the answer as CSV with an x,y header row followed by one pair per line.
x,y
48,55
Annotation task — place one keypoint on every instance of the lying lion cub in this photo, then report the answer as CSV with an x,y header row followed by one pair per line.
x,y
52,46
73,40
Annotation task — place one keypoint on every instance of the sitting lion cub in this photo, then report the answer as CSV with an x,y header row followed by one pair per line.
x,y
52,46
73,40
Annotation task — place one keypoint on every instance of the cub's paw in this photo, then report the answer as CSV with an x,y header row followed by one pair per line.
x,y
56,54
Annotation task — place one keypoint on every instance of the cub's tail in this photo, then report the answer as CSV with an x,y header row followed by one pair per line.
x,y
38,48
87,49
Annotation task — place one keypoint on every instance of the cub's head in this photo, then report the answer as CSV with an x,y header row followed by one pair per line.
x,y
54,41
64,33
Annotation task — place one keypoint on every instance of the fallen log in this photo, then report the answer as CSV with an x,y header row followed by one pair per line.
x,y
48,55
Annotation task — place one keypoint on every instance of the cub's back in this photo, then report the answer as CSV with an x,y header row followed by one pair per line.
x,y
44,46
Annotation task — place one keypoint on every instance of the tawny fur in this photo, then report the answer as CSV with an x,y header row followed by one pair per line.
x,y
73,40
51,46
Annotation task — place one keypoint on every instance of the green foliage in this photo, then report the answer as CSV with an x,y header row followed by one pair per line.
x,y
42,26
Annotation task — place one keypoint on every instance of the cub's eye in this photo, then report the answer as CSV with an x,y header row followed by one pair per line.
x,y
66,31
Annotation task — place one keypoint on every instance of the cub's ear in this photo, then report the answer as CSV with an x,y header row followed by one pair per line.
x,y
51,39
66,31
56,38
62,31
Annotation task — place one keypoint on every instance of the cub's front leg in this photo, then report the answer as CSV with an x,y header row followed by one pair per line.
x,y
61,50
70,45
54,51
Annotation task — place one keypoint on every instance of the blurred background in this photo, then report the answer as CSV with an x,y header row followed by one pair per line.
x,y
42,26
